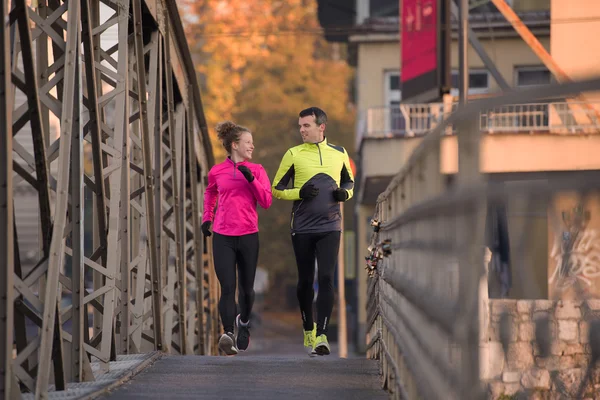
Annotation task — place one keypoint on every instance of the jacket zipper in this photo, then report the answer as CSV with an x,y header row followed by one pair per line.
x,y
294,214
320,156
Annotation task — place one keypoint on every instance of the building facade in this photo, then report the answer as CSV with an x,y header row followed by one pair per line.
x,y
521,142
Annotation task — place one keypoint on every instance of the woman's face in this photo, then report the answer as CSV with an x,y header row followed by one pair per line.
x,y
244,147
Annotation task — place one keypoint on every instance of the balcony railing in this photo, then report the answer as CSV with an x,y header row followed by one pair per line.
x,y
410,120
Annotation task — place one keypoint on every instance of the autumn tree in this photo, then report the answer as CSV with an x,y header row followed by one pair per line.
x,y
260,63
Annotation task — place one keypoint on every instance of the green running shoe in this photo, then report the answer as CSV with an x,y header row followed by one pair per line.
x,y
321,346
309,340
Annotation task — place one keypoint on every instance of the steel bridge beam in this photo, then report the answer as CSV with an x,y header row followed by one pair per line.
x,y
61,110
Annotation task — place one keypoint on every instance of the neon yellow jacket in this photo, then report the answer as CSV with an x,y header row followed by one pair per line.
x,y
327,167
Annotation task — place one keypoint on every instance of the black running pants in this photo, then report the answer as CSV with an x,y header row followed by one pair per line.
x,y
229,251
324,248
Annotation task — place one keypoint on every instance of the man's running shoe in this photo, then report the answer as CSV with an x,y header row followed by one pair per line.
x,y
309,341
321,345
227,344
243,333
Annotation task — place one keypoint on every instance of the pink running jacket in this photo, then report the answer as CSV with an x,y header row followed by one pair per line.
x,y
236,212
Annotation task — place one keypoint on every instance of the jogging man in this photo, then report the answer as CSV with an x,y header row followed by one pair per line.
x,y
321,178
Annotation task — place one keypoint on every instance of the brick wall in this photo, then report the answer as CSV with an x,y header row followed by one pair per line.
x,y
523,371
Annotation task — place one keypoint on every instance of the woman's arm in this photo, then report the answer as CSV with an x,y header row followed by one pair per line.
x,y
261,187
211,195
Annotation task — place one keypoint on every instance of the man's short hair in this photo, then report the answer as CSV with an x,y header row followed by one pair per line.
x,y
320,116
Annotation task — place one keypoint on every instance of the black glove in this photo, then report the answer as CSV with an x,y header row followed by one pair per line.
x,y
206,228
247,173
340,194
308,191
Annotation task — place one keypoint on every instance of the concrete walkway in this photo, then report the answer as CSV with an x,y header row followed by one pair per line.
x,y
274,367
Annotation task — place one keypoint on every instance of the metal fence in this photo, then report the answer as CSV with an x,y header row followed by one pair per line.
x,y
121,266
428,309
405,120
409,120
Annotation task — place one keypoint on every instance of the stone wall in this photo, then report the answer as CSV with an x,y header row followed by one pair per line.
x,y
523,371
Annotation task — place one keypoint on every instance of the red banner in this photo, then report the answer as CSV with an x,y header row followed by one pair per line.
x,y
419,35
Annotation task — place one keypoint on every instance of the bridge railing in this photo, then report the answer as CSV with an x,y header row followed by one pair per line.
x,y
101,119
431,320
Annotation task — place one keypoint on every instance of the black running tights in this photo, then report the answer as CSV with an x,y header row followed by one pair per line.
x,y
324,246
227,252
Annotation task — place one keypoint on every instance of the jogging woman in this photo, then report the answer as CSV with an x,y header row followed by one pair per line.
x,y
238,185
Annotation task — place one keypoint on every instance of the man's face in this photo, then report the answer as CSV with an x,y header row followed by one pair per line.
x,y
309,130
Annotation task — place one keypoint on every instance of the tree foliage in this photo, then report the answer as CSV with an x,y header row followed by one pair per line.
x,y
261,62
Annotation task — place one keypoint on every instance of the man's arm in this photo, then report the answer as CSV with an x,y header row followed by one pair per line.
x,y
347,178
285,173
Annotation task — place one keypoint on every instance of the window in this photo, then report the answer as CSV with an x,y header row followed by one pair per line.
x,y
394,82
384,8
532,76
392,86
394,122
479,82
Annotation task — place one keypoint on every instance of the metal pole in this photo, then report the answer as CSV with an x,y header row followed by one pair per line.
x,y
478,47
470,258
463,43
77,232
468,172
197,234
118,161
39,133
124,229
177,199
6,213
148,178
342,324
57,246
155,135
100,238
93,85
35,115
